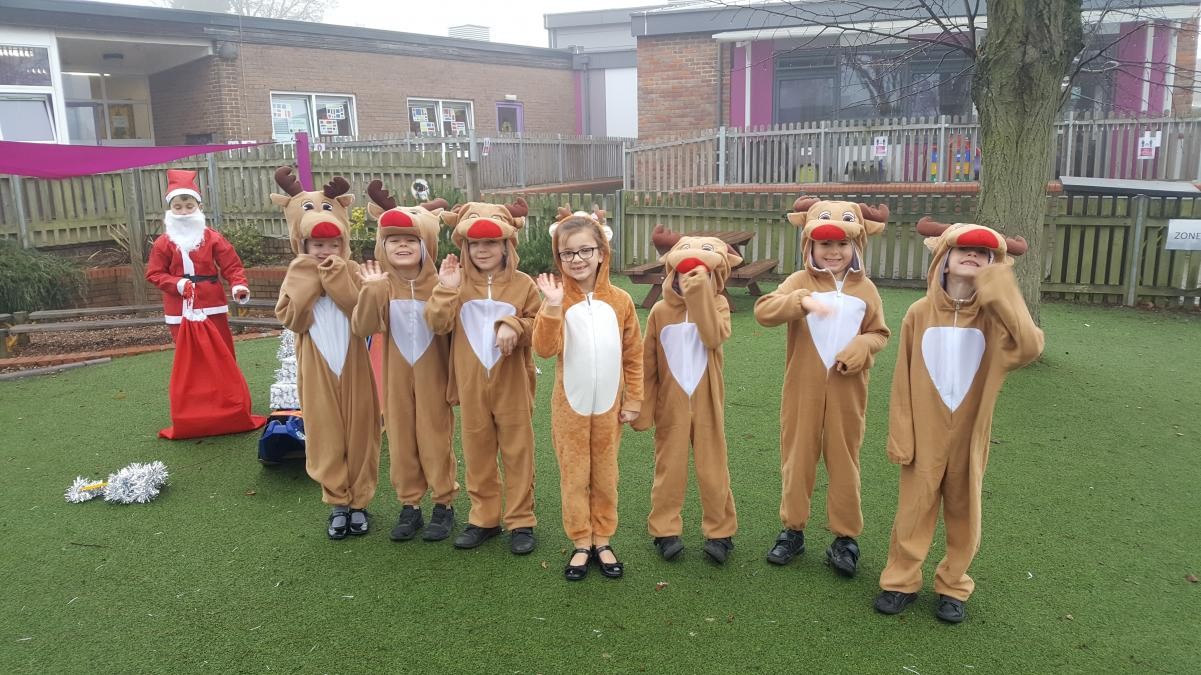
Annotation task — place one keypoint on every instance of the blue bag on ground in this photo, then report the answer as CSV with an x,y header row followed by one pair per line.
x,y
283,437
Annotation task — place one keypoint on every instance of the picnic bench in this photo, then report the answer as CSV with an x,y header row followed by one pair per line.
x,y
746,275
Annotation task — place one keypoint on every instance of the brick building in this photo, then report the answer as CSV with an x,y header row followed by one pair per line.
x,y
95,73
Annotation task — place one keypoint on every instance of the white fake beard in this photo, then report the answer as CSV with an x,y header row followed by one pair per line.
x,y
186,232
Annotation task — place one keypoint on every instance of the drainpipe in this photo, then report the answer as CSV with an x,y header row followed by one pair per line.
x,y
720,75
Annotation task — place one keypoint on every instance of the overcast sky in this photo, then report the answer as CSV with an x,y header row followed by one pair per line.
x,y
514,22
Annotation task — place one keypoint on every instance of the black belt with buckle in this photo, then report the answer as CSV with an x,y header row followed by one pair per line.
x,y
197,278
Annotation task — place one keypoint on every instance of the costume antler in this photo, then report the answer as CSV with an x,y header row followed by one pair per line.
x,y
878,213
518,209
336,187
286,179
377,193
802,204
928,227
438,203
663,238
563,212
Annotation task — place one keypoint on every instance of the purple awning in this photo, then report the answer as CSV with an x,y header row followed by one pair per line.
x,y
44,160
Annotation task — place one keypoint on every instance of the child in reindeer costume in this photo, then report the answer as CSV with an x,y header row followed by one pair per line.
x,y
490,305
337,388
958,342
684,393
417,415
592,328
835,328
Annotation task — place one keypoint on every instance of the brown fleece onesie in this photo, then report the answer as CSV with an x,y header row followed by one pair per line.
x,y
419,419
599,373
823,405
953,357
495,393
684,394
337,388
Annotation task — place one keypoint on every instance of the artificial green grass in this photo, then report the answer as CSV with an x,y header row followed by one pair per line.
x,y
1089,534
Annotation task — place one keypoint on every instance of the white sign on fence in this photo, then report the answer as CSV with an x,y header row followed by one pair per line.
x,y
1184,234
880,147
1146,146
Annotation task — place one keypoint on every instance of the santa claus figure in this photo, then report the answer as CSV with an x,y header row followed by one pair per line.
x,y
187,257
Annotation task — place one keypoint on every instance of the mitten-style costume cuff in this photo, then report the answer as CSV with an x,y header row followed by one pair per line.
x,y
179,285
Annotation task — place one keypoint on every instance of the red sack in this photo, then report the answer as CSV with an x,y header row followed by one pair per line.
x,y
209,396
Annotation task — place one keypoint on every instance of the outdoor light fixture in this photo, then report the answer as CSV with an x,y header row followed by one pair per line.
x,y
113,56
510,97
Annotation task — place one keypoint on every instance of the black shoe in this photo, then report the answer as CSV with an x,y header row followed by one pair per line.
x,y
407,525
718,550
893,602
950,610
474,535
577,572
360,521
339,523
521,541
441,523
843,554
613,570
789,544
669,548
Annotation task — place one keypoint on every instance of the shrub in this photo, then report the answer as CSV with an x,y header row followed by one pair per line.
x,y
247,240
32,281
534,251
362,234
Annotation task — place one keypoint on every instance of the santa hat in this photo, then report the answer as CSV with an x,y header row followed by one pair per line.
x,y
181,182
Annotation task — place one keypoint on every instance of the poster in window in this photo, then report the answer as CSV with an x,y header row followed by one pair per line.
x,y
419,114
335,112
448,115
327,127
429,128
281,111
281,126
458,128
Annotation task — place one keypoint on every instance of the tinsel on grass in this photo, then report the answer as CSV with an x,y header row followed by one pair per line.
x,y
134,484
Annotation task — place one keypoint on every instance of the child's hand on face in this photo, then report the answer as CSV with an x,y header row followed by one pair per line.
x,y
371,271
506,339
450,273
551,289
628,416
814,306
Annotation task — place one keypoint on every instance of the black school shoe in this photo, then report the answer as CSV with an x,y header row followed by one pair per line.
x,y
339,523
843,555
718,550
613,570
474,535
441,523
407,525
789,544
577,572
521,541
360,521
950,609
669,548
893,602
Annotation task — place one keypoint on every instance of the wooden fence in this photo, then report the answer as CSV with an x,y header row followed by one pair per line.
x,y
943,149
1089,252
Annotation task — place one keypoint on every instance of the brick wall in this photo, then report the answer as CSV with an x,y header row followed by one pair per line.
x,y
1186,80
231,98
113,286
677,84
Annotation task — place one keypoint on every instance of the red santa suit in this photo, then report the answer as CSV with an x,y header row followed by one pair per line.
x,y
190,252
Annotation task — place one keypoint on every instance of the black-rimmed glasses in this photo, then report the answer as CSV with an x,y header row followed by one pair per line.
x,y
584,254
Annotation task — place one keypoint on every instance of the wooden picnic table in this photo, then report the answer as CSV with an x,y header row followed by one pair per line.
x,y
746,275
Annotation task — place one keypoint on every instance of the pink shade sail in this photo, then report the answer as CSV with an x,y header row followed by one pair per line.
x,y
44,160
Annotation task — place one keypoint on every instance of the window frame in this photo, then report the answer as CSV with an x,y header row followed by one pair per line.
x,y
105,101
19,37
410,100
314,125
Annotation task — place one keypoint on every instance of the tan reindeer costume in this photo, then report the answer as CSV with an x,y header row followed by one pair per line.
x,y
419,419
684,394
826,372
337,389
495,392
598,374
953,356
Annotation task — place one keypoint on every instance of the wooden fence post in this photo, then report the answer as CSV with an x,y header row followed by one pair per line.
x,y
23,234
721,155
1136,246
561,159
135,215
213,200
521,159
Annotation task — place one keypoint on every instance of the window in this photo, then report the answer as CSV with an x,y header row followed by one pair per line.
x,y
509,118
25,66
26,94
330,117
432,117
26,118
104,109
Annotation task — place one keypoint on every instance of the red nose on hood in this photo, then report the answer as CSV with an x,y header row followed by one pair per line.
x,y
828,232
981,238
484,229
395,219
688,264
326,230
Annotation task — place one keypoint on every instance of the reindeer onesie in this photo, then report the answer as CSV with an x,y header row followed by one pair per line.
x,y
822,408
952,359
684,394
495,393
337,389
599,373
419,419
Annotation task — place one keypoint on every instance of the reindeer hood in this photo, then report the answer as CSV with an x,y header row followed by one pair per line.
x,y
686,253
822,220
478,221
314,215
420,221
603,232
941,238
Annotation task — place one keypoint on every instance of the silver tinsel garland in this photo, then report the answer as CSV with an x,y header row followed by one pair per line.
x,y
284,395
134,484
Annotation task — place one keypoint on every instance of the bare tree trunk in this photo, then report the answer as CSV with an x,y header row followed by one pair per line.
x,y
1018,89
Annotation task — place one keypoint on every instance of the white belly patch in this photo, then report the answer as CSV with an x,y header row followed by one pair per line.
x,y
687,357
591,357
331,333
479,319
410,333
952,357
833,332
